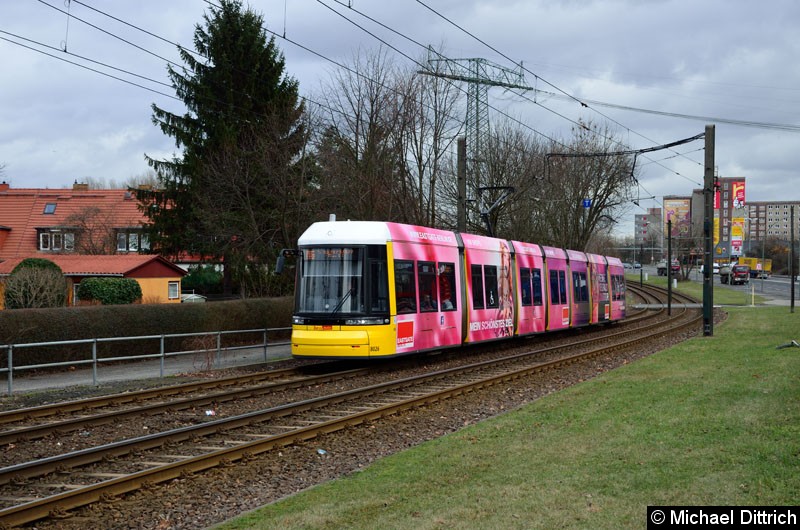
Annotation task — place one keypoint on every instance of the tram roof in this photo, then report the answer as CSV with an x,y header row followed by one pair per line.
x,y
346,233
373,233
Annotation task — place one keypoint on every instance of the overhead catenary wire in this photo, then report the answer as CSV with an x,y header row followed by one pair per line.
x,y
330,60
581,102
581,125
116,68
590,102
87,67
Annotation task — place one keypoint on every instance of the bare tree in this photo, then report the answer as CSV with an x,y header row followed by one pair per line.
x,y
430,124
358,159
94,227
35,287
582,192
513,159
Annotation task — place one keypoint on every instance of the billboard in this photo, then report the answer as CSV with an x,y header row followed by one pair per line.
x,y
737,236
678,210
737,195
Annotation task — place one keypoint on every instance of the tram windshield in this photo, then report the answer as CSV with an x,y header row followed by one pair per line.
x,y
343,281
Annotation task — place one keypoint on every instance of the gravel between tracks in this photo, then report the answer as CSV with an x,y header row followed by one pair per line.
x,y
222,493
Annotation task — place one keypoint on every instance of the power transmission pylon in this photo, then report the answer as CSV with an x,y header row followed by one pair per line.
x,y
480,74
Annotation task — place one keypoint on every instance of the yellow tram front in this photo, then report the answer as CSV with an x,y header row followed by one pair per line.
x,y
342,293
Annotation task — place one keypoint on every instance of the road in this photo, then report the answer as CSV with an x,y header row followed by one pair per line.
x,y
775,287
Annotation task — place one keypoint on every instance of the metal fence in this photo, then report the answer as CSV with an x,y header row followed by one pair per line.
x,y
162,355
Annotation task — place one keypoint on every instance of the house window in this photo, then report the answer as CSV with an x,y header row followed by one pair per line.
x,y
50,208
174,290
132,241
56,241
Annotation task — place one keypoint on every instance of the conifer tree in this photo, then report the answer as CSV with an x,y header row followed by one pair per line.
x,y
240,135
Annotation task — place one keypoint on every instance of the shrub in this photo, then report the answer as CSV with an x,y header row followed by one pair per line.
x,y
35,283
202,279
102,321
110,291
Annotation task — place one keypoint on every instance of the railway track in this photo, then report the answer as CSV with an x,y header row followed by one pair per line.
x,y
25,425
50,486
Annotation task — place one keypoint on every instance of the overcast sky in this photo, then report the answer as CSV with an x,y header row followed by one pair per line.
x,y
724,62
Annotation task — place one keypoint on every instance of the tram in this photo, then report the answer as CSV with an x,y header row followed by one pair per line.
x,y
378,289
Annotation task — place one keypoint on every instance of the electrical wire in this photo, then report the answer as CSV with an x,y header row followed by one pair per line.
x,y
82,57
581,125
89,68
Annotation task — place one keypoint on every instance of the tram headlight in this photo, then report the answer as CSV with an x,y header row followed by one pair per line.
x,y
366,321
298,320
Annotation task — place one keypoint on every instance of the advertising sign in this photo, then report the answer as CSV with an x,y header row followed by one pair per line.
x,y
678,210
737,236
737,197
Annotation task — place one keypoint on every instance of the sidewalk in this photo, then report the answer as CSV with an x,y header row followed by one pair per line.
x,y
83,375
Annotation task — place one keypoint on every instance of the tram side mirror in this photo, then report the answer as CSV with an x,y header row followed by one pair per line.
x,y
285,253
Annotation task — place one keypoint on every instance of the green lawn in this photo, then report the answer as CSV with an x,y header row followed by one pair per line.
x,y
714,420
723,294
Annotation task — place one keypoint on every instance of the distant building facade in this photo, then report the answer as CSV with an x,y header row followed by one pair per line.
x,y
738,225
768,220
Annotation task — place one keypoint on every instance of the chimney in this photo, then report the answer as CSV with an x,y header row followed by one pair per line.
x,y
77,186
4,186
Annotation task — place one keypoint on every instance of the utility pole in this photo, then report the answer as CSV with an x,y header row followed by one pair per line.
x,y
462,184
792,257
479,74
708,239
669,267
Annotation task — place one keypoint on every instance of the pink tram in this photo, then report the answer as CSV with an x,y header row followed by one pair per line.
x,y
376,289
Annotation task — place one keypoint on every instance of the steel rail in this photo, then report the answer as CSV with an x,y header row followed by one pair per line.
x,y
11,416
68,500
39,431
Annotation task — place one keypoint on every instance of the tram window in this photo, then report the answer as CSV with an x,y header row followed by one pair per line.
x,y
447,279
536,280
428,290
379,288
580,291
562,286
405,286
490,282
477,286
618,286
555,296
525,286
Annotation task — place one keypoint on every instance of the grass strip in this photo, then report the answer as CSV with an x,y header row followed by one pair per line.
x,y
723,294
713,421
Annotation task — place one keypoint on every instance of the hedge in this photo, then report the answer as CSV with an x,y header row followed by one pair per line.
x,y
75,323
110,291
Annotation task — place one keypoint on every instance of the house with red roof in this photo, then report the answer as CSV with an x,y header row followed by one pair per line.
x,y
159,279
86,233
67,221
